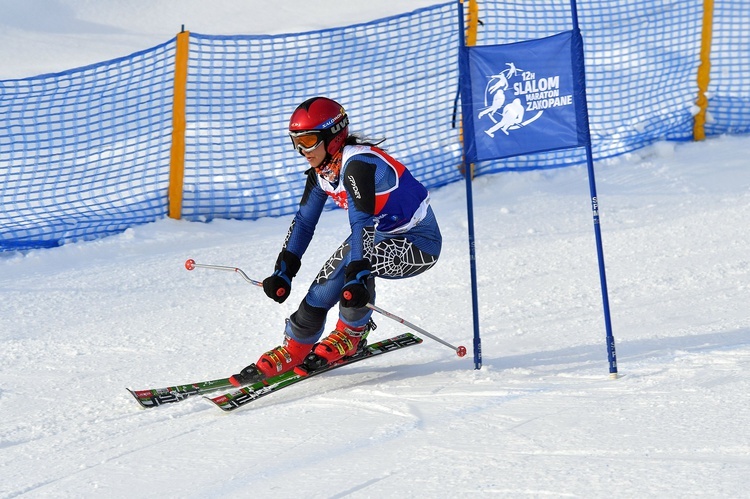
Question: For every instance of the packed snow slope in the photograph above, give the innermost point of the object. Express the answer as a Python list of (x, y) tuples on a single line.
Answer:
[(80, 323)]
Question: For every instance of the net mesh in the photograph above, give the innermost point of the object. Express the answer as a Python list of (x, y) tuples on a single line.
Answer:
[(86, 153), (728, 90)]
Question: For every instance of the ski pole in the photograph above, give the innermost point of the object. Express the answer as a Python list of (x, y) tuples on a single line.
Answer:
[(460, 350), (190, 265)]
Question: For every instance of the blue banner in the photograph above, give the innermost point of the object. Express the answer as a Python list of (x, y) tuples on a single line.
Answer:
[(524, 97)]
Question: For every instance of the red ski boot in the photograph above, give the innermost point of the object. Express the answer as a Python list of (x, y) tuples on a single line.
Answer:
[(274, 362), (343, 342), (284, 358)]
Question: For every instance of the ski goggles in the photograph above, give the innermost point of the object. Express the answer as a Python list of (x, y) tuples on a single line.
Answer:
[(306, 141)]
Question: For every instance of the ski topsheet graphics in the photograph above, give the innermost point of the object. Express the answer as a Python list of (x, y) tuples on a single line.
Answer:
[(154, 397)]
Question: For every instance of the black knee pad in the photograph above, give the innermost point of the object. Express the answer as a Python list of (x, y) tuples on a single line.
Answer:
[(308, 321)]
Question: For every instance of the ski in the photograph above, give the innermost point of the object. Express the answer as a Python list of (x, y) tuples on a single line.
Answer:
[(242, 396), (154, 397)]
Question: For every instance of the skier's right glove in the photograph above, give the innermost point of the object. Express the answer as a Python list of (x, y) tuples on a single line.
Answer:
[(278, 285)]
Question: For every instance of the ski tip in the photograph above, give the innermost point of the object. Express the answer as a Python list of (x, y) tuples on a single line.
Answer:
[(221, 401), (134, 393)]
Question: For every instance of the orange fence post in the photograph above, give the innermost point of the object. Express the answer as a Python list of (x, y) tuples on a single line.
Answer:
[(177, 152), (704, 71), (472, 24)]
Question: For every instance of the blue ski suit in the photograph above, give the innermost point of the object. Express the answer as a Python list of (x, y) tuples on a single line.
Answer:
[(392, 226)]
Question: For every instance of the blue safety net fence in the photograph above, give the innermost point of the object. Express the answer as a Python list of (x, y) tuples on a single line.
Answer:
[(729, 88), (641, 65), (239, 160), (86, 153)]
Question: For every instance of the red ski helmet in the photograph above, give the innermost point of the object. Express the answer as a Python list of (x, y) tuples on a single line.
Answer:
[(325, 117)]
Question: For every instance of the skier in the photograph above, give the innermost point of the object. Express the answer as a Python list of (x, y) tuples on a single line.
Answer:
[(394, 234)]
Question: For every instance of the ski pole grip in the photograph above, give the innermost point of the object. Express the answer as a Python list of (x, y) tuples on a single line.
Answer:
[(347, 295)]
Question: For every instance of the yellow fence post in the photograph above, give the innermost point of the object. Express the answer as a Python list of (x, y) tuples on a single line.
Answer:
[(472, 23), (704, 70), (177, 152)]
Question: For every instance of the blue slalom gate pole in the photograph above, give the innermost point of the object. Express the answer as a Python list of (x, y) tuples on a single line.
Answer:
[(578, 64), (470, 218), (473, 268)]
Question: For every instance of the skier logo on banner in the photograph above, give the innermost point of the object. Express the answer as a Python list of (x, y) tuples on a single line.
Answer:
[(511, 115), (516, 85), (538, 95)]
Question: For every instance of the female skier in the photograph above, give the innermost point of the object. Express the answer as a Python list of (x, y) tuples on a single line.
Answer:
[(394, 234)]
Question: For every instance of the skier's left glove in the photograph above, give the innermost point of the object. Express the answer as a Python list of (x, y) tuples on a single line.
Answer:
[(354, 294)]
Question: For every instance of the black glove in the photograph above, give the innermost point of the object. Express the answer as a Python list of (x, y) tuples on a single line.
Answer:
[(278, 284), (354, 294)]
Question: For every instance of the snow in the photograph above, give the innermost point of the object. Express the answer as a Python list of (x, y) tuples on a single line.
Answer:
[(541, 418)]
